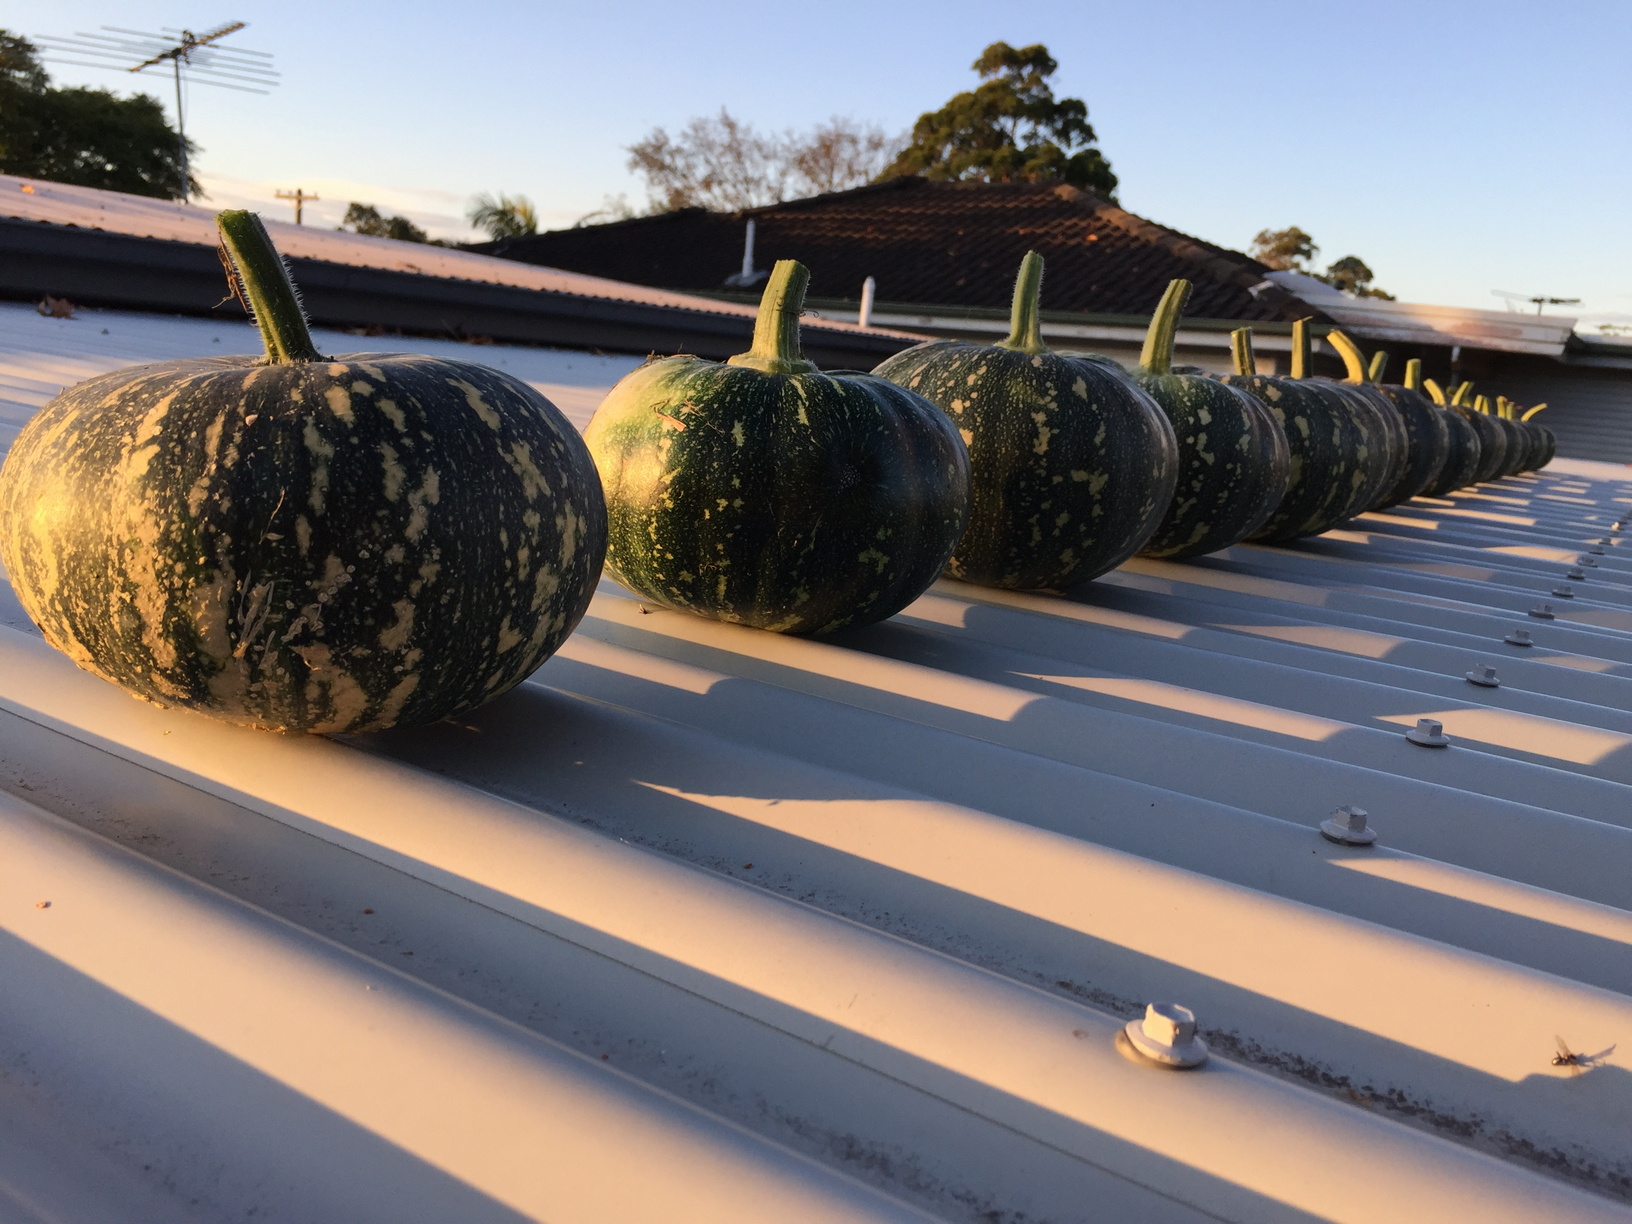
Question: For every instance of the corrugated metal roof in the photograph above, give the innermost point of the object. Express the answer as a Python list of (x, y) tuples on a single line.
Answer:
[(705, 923)]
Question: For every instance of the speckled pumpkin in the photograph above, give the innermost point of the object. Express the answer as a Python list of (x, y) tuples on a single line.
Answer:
[(1423, 441), (1328, 451), (1233, 458), (1072, 466), (303, 543), (763, 492)]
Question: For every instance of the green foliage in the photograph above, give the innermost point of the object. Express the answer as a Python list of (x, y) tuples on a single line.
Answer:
[(1011, 128), (1287, 250), (366, 219), (1292, 250), (86, 137), (504, 216)]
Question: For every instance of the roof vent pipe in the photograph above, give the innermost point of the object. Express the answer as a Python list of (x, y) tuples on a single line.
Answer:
[(865, 317), (748, 277)]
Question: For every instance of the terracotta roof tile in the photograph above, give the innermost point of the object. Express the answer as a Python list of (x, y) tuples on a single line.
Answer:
[(933, 244)]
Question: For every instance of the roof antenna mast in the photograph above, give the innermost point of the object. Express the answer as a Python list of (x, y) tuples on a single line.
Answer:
[(203, 59)]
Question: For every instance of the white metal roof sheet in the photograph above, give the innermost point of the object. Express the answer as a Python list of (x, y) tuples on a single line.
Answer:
[(706, 923)]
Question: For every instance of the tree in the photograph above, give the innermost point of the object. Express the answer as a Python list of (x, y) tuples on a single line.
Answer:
[(504, 216), (1291, 250), (86, 137), (366, 219), (1011, 128), (1287, 250), (724, 164)]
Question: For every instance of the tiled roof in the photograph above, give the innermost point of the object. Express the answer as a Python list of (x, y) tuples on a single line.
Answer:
[(930, 243)]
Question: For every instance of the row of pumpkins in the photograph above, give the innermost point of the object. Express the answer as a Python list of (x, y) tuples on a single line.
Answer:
[(347, 544)]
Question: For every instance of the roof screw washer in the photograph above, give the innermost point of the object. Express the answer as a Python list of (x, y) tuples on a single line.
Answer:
[(1519, 637), (1484, 676), (1347, 827), (1576, 574), (1167, 1036), (1594, 551), (1563, 592), (1542, 611), (1587, 561), (1429, 733)]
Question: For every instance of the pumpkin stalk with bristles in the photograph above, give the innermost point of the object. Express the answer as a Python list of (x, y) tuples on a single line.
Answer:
[(300, 542)]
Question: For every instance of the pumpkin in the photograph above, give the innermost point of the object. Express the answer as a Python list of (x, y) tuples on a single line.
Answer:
[(1325, 446), (1072, 466), (1426, 440), (302, 543), (1462, 440), (1377, 415), (1233, 461), (1518, 441), (763, 492), (1492, 441)]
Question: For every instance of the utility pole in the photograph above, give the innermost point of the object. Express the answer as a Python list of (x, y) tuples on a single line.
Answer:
[(299, 196)]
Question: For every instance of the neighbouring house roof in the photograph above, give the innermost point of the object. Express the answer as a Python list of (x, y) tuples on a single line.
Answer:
[(111, 249), (1505, 331), (933, 244)]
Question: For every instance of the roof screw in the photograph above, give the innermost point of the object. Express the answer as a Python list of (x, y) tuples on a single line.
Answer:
[(1484, 676), (1347, 827), (1594, 551), (1576, 574), (1563, 592), (1167, 1036), (1586, 561), (1429, 733), (1542, 611), (1519, 637)]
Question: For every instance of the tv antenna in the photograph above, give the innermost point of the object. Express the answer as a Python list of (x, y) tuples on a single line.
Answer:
[(1537, 300), (189, 56)]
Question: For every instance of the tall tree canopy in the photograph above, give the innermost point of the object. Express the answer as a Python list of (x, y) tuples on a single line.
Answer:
[(1292, 250), (366, 219), (504, 216), (87, 137), (1010, 128)]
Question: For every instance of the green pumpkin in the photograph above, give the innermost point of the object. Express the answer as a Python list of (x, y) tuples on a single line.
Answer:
[(1549, 447), (763, 492), (302, 543), (1425, 444), (1518, 442), (1328, 452), (1379, 422), (1072, 466), (1492, 438), (1233, 457), (1462, 439)]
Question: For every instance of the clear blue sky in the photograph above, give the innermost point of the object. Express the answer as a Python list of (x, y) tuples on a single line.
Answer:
[(1458, 147)]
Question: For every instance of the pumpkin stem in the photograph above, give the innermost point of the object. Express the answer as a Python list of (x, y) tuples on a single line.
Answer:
[(776, 330), (1462, 392), (1378, 366), (263, 285), (1435, 391), (1157, 357), (1350, 352), (1413, 374), (1025, 328), (1481, 403), (1532, 412), (1241, 351), (1300, 348)]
